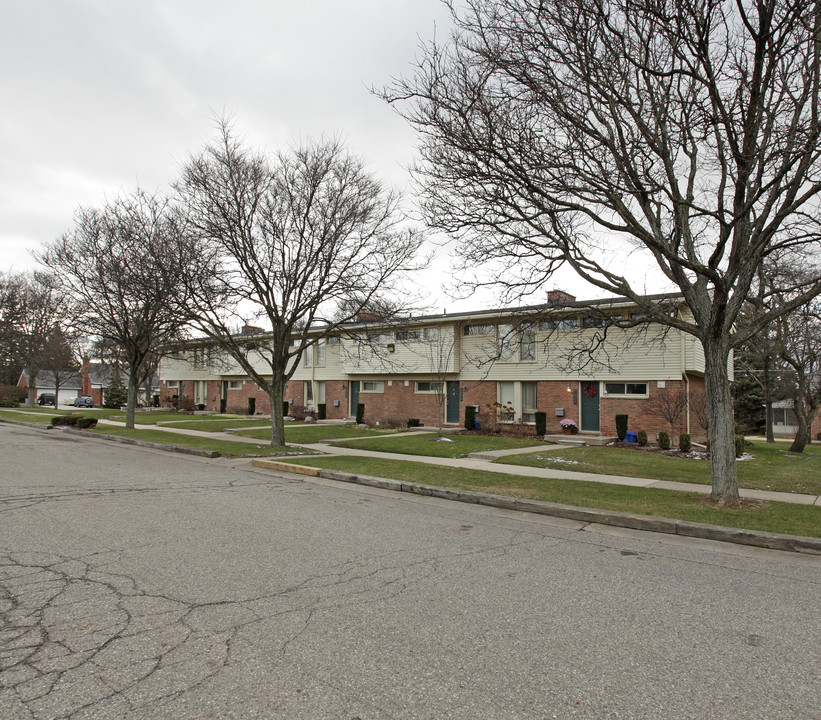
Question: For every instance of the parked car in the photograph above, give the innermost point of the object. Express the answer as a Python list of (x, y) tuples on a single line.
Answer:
[(46, 399), (83, 401)]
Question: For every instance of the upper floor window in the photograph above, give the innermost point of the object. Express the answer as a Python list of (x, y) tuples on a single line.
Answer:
[(314, 355), (407, 335), (431, 333), (565, 323), (527, 342), (478, 329), (507, 343)]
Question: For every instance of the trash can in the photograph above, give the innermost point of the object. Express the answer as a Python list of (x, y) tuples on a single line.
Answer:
[(477, 425), (631, 437)]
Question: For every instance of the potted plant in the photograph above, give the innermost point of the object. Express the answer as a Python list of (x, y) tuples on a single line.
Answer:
[(569, 426)]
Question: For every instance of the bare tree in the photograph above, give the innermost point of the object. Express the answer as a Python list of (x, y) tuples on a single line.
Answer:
[(669, 405), (799, 342), (121, 264), (32, 310), (59, 359), (683, 133), (293, 237)]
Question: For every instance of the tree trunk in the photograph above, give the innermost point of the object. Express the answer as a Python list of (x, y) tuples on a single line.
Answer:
[(768, 422), (803, 433), (275, 393), (722, 426), (32, 377), (131, 401)]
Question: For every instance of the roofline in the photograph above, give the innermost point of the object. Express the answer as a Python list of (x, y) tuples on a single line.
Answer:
[(459, 316)]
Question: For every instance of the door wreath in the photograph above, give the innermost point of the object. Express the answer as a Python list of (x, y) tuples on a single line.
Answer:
[(590, 390)]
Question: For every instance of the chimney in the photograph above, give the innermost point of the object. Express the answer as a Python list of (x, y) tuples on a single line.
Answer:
[(555, 297)]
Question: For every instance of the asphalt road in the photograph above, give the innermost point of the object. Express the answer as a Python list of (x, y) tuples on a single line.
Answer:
[(141, 584)]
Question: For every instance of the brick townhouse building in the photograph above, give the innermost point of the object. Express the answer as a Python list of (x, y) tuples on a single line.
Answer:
[(588, 361)]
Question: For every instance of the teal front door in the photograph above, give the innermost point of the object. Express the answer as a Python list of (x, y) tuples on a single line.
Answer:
[(452, 414), (354, 396), (590, 405)]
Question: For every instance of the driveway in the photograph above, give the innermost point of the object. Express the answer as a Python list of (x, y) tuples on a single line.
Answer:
[(141, 584)]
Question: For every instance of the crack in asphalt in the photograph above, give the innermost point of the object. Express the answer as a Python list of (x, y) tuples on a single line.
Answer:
[(75, 638)]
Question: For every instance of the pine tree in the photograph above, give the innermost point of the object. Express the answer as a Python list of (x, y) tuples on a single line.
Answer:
[(115, 393)]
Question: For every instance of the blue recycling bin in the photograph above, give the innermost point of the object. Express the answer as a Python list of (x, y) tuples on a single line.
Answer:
[(631, 437), (477, 425)]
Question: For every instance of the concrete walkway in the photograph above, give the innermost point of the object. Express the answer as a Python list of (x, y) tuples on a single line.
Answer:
[(484, 461)]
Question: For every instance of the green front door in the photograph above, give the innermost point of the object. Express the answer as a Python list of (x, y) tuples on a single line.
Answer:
[(590, 405), (452, 414), (354, 396)]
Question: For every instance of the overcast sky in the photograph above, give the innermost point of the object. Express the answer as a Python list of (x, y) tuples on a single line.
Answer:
[(101, 95)]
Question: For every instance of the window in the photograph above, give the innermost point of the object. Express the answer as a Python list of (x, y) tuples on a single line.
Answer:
[(507, 397), (308, 356), (507, 343), (784, 416), (625, 388), (596, 321), (431, 333), (527, 342), (373, 386), (202, 357), (407, 335), (173, 384), (423, 386), (235, 384), (478, 329), (566, 323), (529, 402), (380, 338), (334, 340), (319, 357)]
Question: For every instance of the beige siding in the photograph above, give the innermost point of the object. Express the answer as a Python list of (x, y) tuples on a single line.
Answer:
[(644, 355)]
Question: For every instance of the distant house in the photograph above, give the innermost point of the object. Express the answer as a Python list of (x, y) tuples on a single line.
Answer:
[(70, 385), (91, 379)]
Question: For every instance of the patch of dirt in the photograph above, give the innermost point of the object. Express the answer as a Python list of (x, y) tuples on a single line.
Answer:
[(741, 503)]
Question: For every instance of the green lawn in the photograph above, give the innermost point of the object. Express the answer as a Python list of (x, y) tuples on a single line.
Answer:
[(768, 517), (152, 417), (223, 447), (454, 445), (209, 424), (772, 466), (317, 433)]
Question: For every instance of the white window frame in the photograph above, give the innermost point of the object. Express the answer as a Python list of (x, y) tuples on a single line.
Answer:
[(431, 390), (479, 329), (626, 394), (235, 384), (408, 336), (431, 333), (172, 384), (570, 322), (379, 386), (527, 342)]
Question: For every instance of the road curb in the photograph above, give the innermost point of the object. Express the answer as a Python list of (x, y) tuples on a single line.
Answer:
[(146, 443), (685, 528)]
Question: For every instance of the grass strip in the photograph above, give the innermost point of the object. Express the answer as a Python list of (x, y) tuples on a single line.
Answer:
[(317, 433), (452, 446), (223, 447), (772, 467), (788, 518)]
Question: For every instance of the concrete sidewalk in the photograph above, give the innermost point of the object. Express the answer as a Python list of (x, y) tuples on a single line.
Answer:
[(484, 461), (480, 461)]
